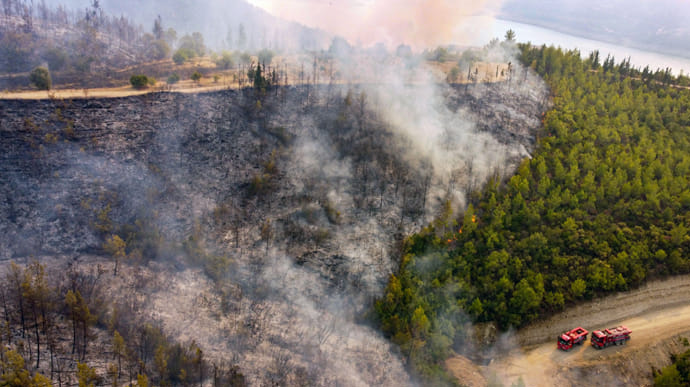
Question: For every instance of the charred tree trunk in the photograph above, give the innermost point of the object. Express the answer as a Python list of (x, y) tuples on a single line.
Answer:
[(7, 314), (84, 338), (38, 339)]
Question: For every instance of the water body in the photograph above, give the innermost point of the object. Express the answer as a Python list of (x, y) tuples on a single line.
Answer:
[(539, 36)]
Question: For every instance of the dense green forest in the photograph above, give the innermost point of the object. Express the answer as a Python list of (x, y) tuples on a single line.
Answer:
[(601, 207)]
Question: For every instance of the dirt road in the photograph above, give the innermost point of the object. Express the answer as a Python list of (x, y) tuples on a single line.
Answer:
[(543, 365), (112, 92), (486, 72), (655, 313)]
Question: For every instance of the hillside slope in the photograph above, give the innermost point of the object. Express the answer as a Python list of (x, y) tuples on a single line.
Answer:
[(228, 24), (600, 208), (259, 225)]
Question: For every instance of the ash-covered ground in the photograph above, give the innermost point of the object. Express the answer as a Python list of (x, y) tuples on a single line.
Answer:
[(260, 224)]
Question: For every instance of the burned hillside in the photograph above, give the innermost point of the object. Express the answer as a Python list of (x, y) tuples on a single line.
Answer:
[(275, 215)]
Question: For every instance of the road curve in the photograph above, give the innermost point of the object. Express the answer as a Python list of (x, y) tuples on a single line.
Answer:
[(654, 312), (543, 364)]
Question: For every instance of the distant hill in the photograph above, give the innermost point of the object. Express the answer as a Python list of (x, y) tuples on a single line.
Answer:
[(218, 21), (659, 26)]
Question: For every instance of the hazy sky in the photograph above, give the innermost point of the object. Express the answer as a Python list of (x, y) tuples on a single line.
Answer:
[(416, 22)]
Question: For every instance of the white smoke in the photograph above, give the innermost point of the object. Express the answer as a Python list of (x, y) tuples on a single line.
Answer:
[(421, 23)]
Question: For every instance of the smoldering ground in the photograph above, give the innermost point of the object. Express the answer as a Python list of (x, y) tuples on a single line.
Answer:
[(436, 151), (305, 196)]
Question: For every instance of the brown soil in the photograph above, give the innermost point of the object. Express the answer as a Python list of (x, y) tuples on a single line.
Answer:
[(467, 372), (115, 92), (601, 313)]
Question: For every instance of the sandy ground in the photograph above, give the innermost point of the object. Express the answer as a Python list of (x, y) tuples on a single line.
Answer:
[(655, 313), (113, 92), (544, 365), (611, 310), (467, 372)]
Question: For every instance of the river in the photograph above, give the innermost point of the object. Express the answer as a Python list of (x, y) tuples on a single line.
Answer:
[(538, 36)]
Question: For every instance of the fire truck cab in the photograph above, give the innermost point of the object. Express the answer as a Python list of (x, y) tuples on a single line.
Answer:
[(611, 336), (572, 337)]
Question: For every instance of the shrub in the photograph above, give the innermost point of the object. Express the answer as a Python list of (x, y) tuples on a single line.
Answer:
[(140, 81), (40, 77), (182, 55), (440, 54), (174, 78), (196, 76), (179, 57)]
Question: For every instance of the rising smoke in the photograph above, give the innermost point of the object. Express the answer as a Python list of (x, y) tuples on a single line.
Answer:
[(421, 23), (310, 257), (297, 301)]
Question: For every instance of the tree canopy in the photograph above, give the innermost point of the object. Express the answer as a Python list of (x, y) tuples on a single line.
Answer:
[(601, 207)]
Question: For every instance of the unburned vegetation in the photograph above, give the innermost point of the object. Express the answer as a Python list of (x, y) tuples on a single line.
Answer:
[(600, 207)]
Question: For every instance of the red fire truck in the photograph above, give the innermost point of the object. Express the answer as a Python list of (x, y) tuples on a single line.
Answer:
[(572, 337), (611, 336)]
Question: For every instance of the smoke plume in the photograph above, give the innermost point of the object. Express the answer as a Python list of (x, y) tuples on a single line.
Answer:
[(294, 201), (421, 23)]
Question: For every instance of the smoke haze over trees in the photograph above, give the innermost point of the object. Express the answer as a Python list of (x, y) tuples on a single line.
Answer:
[(226, 24), (335, 211), (274, 212), (600, 207), (80, 41), (421, 24)]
